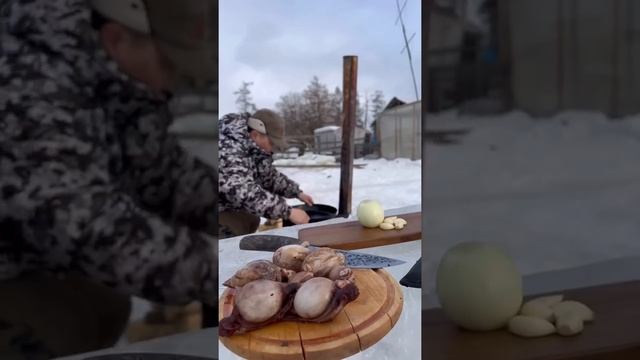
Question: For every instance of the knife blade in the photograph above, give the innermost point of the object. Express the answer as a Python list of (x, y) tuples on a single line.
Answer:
[(266, 242), (356, 260)]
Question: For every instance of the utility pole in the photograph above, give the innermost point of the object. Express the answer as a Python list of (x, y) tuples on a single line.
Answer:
[(349, 110), (406, 45)]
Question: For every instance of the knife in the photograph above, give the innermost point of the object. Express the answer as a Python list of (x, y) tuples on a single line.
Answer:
[(354, 259)]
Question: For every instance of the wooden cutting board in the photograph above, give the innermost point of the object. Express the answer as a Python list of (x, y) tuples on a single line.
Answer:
[(351, 235), (613, 335), (358, 326)]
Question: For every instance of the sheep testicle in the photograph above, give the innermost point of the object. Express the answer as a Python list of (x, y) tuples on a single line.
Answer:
[(290, 257), (255, 270), (342, 292), (259, 300), (300, 277), (321, 261), (313, 297), (252, 311)]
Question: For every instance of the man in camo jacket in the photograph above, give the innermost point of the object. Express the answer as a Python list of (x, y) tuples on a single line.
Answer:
[(249, 185), (94, 191)]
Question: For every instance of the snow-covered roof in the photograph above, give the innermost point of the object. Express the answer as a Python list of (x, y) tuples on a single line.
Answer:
[(326, 128)]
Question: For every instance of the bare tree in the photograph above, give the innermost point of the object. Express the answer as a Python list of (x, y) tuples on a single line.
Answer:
[(315, 107), (317, 101), (359, 112), (366, 110), (377, 106), (243, 99), (335, 107), (291, 108)]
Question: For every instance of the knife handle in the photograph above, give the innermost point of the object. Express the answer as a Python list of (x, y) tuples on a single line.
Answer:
[(266, 242)]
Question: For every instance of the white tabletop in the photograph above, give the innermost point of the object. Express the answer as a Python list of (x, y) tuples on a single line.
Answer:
[(402, 342), (200, 343)]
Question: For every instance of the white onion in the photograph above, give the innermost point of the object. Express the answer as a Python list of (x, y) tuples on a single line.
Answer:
[(370, 213), (479, 286)]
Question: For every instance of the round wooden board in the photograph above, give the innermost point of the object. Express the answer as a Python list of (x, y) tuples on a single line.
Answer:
[(359, 325)]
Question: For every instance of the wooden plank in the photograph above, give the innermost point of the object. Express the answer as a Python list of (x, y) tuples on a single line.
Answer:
[(277, 341), (613, 334), (351, 235), (369, 315), (395, 308), (332, 340)]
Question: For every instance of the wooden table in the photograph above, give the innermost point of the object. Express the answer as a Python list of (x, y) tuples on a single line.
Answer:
[(608, 288)]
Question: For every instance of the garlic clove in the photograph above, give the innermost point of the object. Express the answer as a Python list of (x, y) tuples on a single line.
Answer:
[(566, 307), (548, 300), (386, 226), (527, 326), (537, 309), (570, 323)]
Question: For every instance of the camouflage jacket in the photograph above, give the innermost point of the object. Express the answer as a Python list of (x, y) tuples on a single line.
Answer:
[(91, 181), (248, 181)]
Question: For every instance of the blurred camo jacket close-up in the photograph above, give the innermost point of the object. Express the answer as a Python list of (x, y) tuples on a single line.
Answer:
[(91, 179)]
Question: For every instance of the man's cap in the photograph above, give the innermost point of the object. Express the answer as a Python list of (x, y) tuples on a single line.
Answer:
[(185, 30), (268, 122)]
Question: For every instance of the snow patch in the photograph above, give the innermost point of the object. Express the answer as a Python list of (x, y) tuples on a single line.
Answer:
[(326, 128), (306, 160), (395, 183), (555, 192)]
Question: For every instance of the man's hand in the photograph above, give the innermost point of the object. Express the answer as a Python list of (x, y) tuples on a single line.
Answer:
[(306, 199), (298, 216)]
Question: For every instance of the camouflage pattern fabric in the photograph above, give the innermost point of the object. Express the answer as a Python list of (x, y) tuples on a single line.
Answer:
[(19, 342), (90, 179), (43, 316), (248, 181)]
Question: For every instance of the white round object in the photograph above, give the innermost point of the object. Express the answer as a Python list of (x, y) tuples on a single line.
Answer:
[(479, 286), (313, 297), (370, 213), (259, 300)]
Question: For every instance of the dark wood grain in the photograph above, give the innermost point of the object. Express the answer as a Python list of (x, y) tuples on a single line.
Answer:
[(351, 235), (613, 335), (349, 106)]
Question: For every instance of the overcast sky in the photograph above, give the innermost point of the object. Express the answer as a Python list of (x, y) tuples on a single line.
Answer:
[(280, 45)]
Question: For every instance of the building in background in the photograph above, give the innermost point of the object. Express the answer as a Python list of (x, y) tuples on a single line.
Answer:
[(541, 57), (574, 55), (399, 129), (328, 140), (456, 66)]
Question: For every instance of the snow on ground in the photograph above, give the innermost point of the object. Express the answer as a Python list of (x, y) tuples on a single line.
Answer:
[(556, 192), (307, 159), (395, 183)]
